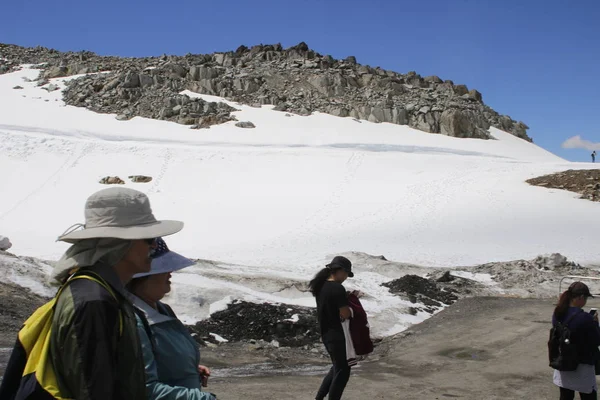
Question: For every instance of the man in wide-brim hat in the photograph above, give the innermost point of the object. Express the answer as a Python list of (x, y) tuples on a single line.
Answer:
[(94, 345)]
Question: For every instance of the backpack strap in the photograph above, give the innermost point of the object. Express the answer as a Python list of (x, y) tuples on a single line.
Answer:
[(566, 323), (92, 276)]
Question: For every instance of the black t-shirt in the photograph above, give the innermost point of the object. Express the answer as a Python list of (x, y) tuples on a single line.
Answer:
[(330, 300)]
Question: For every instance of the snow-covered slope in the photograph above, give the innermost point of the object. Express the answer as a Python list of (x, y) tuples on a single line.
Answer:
[(286, 196)]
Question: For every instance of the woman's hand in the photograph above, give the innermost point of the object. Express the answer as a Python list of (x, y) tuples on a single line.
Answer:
[(204, 373)]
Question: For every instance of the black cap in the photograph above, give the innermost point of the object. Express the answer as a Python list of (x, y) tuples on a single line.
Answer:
[(580, 289), (340, 262)]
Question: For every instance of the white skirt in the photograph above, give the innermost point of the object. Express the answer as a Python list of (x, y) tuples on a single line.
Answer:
[(582, 380)]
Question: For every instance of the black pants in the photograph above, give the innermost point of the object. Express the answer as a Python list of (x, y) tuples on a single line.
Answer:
[(566, 394), (337, 378)]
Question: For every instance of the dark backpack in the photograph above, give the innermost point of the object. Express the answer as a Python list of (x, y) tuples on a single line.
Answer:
[(562, 352)]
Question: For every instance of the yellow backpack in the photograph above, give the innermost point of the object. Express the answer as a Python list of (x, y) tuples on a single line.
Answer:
[(34, 338)]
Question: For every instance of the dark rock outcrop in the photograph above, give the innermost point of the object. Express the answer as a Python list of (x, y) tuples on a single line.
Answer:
[(291, 326)]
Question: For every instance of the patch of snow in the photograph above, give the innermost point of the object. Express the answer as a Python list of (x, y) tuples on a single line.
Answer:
[(274, 205), (477, 277), (218, 338), (295, 318), (220, 305)]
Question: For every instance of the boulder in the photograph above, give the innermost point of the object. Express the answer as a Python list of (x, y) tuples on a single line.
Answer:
[(322, 83), (5, 243), (350, 60), (460, 90), (245, 124), (475, 95), (202, 72), (130, 80), (140, 178), (51, 87), (455, 123), (112, 180), (433, 79), (176, 70), (462, 124), (56, 72), (145, 80)]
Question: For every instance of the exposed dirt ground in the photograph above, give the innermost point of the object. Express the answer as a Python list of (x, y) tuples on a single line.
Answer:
[(479, 348)]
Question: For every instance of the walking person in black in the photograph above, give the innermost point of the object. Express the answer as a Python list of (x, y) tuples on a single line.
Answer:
[(585, 334), (332, 309)]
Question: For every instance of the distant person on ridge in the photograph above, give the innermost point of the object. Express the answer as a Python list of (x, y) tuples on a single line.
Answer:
[(94, 348), (171, 354), (594, 156), (585, 335), (332, 309)]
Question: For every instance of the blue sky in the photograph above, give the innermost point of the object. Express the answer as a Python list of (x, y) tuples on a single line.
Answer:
[(536, 61)]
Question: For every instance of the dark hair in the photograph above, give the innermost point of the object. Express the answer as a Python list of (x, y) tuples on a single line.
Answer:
[(135, 283), (575, 290), (316, 284)]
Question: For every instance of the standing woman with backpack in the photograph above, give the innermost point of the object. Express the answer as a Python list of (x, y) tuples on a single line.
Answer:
[(585, 335), (332, 309)]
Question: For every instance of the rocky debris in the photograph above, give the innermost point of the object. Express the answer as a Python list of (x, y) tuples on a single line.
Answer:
[(140, 178), (245, 124), (112, 180), (536, 277), (290, 326), (295, 80), (461, 287), (8, 65), (18, 87), (586, 182), (5, 243), (422, 290)]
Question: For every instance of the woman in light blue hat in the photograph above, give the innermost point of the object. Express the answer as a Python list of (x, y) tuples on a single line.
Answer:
[(171, 355)]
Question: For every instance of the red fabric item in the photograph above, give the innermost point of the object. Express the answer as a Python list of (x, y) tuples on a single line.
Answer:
[(359, 327)]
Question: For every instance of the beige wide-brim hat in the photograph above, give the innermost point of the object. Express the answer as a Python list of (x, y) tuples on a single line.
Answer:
[(120, 213)]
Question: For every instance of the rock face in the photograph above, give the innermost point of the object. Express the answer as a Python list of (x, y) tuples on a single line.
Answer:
[(585, 182), (130, 94), (296, 80)]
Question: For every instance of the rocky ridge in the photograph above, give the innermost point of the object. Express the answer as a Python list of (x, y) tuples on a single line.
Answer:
[(295, 79)]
